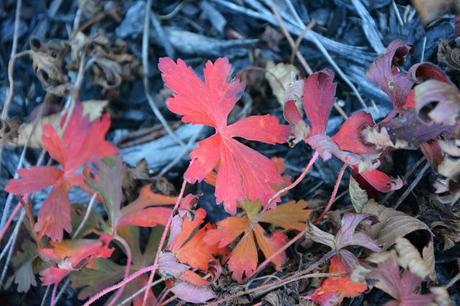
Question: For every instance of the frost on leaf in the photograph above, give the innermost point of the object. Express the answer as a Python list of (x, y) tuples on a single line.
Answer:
[(242, 173), (82, 142), (244, 259)]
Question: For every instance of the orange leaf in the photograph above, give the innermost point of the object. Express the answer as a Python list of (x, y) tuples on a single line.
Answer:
[(244, 259), (334, 289)]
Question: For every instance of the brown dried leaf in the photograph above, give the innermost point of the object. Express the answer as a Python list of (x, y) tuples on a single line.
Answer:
[(280, 77), (410, 259), (429, 10), (358, 195), (392, 224), (91, 108), (47, 62), (449, 54)]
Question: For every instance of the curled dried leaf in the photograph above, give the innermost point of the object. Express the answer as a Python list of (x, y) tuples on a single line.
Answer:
[(437, 102), (392, 224), (409, 258), (358, 195), (47, 62)]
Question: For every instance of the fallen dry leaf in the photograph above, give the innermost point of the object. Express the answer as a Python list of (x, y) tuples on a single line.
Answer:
[(392, 224)]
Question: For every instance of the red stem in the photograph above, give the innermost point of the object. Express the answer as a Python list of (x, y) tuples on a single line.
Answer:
[(297, 181), (334, 194), (127, 268), (162, 242), (10, 220)]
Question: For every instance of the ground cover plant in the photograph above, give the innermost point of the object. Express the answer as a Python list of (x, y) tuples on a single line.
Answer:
[(259, 183)]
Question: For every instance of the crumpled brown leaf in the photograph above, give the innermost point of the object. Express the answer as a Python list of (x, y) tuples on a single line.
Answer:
[(429, 10), (47, 62), (410, 258), (91, 108), (358, 195), (449, 53), (280, 76), (392, 224)]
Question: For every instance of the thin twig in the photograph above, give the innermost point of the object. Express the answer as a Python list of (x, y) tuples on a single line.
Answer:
[(314, 38), (162, 241), (145, 65), (295, 277), (412, 185), (398, 15)]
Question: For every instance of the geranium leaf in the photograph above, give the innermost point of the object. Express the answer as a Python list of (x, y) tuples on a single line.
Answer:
[(250, 174)]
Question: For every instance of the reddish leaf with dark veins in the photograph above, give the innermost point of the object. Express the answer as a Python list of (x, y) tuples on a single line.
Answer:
[(407, 127)]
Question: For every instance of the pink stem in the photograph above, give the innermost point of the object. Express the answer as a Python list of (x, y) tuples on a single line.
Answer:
[(334, 194), (127, 268), (10, 220), (297, 181), (125, 281), (53, 295), (162, 242)]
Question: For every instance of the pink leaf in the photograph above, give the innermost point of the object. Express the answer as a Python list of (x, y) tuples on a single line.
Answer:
[(192, 293)]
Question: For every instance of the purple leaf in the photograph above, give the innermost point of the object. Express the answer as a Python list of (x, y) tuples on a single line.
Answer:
[(191, 293)]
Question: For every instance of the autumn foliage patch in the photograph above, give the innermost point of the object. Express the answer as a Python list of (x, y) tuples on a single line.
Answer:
[(186, 255)]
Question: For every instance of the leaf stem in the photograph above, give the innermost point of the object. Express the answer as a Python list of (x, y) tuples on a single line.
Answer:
[(127, 268), (162, 242), (296, 182), (334, 193)]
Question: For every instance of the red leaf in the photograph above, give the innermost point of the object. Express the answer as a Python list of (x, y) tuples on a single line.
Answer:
[(81, 143), (348, 138), (242, 173), (298, 127), (334, 289), (54, 216), (34, 179), (70, 255), (147, 217), (318, 99), (428, 71), (385, 73), (380, 181)]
